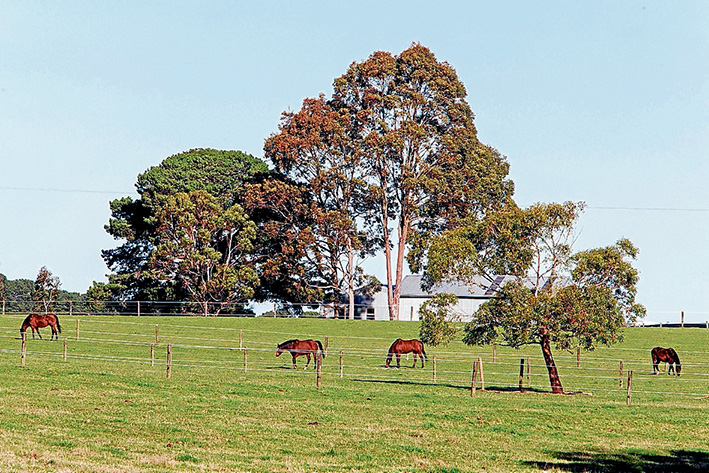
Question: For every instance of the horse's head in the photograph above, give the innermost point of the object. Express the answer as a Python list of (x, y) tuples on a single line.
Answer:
[(279, 350), (678, 368)]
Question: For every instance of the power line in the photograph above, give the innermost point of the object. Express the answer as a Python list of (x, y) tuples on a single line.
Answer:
[(68, 191)]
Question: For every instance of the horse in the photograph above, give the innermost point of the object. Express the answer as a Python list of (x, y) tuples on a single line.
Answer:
[(406, 346), (669, 356), (36, 321), (301, 347)]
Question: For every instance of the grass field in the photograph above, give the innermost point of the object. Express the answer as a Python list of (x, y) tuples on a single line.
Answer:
[(107, 408)]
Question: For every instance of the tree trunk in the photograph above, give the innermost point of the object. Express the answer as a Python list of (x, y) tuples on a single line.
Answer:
[(393, 315), (350, 278), (554, 380)]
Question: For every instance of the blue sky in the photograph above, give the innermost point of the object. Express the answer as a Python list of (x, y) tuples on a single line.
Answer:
[(602, 102)]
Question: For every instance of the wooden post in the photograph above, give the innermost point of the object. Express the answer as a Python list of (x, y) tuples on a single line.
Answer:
[(620, 375), (472, 378), (529, 370), (434, 369), (521, 373), (578, 357), (682, 319), (152, 354), (411, 317), (138, 308), (169, 360), (64, 352), (77, 329), (3, 307), (241, 338), (706, 322), (71, 308), (318, 369), (482, 374), (246, 361), (325, 345), (494, 352), (342, 366), (157, 335), (630, 381), (206, 309), (23, 349)]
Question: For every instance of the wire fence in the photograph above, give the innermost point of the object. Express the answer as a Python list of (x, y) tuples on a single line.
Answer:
[(357, 358)]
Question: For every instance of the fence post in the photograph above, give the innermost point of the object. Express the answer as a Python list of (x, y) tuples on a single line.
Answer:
[(472, 378), (23, 349), (578, 357), (630, 381), (138, 308), (342, 366), (482, 374), (77, 329), (318, 369), (434, 369), (3, 307), (241, 338), (152, 354), (521, 373), (620, 376), (71, 308), (246, 361), (494, 352), (64, 352), (169, 360), (157, 335), (325, 345), (682, 319), (206, 309), (529, 370)]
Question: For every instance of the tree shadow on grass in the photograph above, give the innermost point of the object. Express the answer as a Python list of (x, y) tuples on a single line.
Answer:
[(677, 461), (448, 385)]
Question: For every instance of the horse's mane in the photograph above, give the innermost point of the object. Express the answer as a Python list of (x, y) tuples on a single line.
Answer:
[(674, 355), (287, 342)]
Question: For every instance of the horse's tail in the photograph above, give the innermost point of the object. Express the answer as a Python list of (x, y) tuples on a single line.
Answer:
[(324, 354), (59, 327), (423, 352)]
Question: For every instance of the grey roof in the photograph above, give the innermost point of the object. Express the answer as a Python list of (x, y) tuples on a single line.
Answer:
[(480, 287)]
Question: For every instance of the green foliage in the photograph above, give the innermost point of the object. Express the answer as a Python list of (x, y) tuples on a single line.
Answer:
[(204, 248), (221, 174), (437, 326), (558, 298)]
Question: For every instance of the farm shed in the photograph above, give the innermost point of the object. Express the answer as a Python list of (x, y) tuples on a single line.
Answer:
[(413, 296)]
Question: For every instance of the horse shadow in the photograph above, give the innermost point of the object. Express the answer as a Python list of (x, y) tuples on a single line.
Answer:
[(677, 461)]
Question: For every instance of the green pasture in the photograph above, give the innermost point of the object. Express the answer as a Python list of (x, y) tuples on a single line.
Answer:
[(104, 406)]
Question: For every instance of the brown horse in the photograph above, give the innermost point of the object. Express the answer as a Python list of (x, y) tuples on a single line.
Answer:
[(300, 347), (669, 356), (406, 346), (36, 321)]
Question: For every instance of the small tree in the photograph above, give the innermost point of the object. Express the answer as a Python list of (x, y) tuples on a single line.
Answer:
[(45, 290), (557, 298), (438, 320)]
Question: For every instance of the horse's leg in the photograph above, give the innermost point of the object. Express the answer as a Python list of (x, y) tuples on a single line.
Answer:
[(294, 355), (38, 334), (398, 359), (421, 357), (307, 355), (414, 360)]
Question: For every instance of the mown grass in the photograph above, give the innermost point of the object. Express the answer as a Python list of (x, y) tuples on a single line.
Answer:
[(107, 409)]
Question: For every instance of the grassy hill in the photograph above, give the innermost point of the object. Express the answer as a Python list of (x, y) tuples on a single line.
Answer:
[(107, 407)]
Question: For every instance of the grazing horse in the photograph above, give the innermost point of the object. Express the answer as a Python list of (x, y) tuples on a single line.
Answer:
[(301, 347), (406, 346), (669, 356), (35, 322)]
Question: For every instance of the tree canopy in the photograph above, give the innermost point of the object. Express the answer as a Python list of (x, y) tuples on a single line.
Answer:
[(220, 174), (557, 297)]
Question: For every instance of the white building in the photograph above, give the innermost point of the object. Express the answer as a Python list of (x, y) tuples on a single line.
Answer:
[(413, 296)]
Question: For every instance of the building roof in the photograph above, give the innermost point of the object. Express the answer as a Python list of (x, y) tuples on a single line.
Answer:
[(480, 289)]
